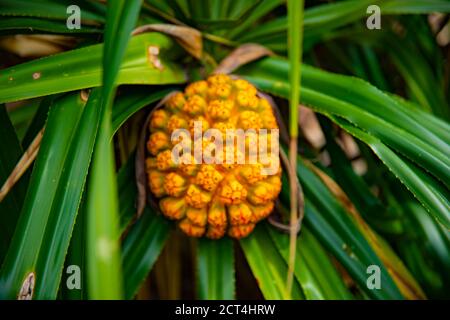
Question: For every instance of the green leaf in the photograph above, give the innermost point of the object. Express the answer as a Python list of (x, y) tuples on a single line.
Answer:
[(126, 183), (418, 74), (317, 20), (43, 9), (141, 248), (268, 266), (215, 272), (260, 11), (237, 13), (321, 20), (145, 239), (10, 206), (38, 121), (397, 271), (76, 256), (22, 116), (431, 156), (272, 27), (341, 250), (415, 6), (371, 207), (350, 90), (67, 200), (314, 271), (425, 248), (35, 25), (103, 250), (427, 190), (383, 118), (132, 101), (437, 126), (324, 212), (81, 68), (336, 14), (28, 240)]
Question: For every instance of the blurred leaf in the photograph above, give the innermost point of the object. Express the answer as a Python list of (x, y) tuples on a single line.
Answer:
[(132, 101), (43, 9), (39, 119), (10, 207), (418, 75), (144, 239), (260, 11), (127, 193), (141, 247), (415, 6), (425, 248), (272, 27), (237, 13), (22, 115), (24, 25), (215, 260), (321, 19), (318, 20)]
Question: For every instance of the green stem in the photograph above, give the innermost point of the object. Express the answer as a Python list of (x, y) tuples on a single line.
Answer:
[(220, 40), (295, 41)]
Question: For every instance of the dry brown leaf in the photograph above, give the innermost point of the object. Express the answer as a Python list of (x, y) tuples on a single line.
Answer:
[(21, 167), (189, 38), (27, 290), (440, 27), (310, 127), (141, 175), (34, 46), (242, 55)]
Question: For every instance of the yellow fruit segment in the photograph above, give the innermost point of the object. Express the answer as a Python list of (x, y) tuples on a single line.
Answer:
[(213, 199)]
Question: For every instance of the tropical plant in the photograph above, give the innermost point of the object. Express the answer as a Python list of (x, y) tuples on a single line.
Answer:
[(370, 176)]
